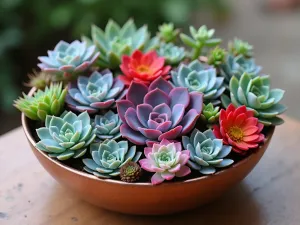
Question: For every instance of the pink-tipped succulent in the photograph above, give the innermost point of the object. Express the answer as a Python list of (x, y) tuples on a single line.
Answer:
[(158, 112), (166, 160)]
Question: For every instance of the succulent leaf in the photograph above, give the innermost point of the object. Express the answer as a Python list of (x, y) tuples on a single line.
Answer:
[(167, 32)]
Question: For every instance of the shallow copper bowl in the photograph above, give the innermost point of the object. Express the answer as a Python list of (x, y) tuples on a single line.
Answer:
[(144, 198)]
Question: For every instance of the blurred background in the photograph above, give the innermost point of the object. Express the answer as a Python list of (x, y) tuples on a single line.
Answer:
[(29, 28)]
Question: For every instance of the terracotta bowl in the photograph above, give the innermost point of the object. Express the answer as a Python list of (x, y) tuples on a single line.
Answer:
[(144, 198)]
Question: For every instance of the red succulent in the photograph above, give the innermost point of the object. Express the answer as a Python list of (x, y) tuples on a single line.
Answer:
[(239, 128), (143, 68)]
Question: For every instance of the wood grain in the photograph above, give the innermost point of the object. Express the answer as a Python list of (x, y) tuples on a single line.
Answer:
[(268, 196)]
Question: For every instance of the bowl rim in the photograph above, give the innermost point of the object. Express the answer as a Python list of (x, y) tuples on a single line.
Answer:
[(27, 132)]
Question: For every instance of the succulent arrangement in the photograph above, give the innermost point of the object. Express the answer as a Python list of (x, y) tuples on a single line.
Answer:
[(125, 105)]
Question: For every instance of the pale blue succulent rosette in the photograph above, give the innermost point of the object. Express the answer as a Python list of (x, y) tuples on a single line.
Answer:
[(95, 93), (206, 152), (66, 136), (107, 126), (236, 66), (108, 157), (68, 59), (197, 77)]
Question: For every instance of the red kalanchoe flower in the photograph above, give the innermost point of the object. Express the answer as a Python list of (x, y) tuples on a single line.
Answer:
[(143, 68), (239, 128)]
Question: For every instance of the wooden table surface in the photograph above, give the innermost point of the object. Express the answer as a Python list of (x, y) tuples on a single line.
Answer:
[(270, 195)]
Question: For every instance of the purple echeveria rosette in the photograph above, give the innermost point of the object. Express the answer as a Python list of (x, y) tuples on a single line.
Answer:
[(158, 112), (91, 94)]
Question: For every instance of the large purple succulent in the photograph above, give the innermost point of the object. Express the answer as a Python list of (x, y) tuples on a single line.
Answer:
[(158, 112), (99, 91)]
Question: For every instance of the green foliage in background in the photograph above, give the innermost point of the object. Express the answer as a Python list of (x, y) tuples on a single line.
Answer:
[(29, 28)]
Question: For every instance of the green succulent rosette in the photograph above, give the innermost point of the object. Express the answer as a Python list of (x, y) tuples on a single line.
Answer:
[(240, 47), (167, 32), (66, 136), (200, 40), (43, 102), (206, 151), (108, 157), (256, 94), (210, 114), (216, 57), (172, 53), (115, 41)]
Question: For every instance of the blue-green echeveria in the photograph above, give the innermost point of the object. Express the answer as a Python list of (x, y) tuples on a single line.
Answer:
[(256, 94), (66, 136), (206, 151), (108, 126), (108, 157), (115, 41), (200, 78), (237, 65), (67, 60), (172, 53), (91, 94)]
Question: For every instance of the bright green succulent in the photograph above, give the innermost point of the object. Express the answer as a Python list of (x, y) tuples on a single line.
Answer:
[(47, 102), (210, 114), (108, 157), (217, 56), (206, 151), (172, 53), (200, 39), (256, 94), (200, 78), (66, 136), (116, 41), (167, 32), (239, 47)]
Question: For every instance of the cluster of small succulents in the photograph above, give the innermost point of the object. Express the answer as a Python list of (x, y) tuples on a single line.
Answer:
[(124, 104)]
